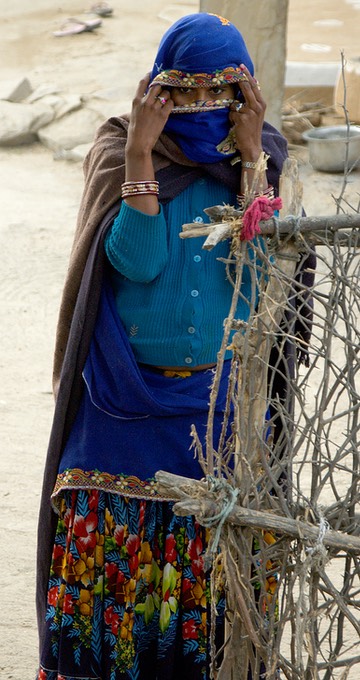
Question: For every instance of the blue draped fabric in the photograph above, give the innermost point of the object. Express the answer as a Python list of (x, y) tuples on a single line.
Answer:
[(198, 134), (133, 420), (201, 43)]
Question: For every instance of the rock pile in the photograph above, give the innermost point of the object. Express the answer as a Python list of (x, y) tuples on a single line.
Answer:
[(64, 123)]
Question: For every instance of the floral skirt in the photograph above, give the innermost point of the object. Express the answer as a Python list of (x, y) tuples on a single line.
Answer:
[(128, 598)]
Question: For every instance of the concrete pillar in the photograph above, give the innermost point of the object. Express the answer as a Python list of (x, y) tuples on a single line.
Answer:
[(263, 23)]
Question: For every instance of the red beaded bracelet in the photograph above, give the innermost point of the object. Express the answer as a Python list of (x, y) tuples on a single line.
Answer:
[(139, 188)]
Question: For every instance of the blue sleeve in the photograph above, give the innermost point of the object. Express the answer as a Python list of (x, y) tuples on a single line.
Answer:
[(137, 244)]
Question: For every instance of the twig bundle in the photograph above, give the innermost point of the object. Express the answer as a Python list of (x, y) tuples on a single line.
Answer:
[(281, 493)]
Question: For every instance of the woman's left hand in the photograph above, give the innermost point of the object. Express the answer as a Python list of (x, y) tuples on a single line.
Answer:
[(248, 118)]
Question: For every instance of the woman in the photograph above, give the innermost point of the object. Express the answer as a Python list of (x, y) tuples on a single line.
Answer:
[(139, 330)]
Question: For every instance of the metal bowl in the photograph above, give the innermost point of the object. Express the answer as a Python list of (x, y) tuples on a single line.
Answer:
[(327, 147)]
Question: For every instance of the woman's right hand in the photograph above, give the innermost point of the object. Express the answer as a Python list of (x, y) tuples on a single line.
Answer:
[(147, 121), (148, 118)]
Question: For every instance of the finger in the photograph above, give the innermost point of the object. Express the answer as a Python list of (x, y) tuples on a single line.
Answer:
[(168, 106), (235, 117), (143, 86), (248, 93), (251, 86), (163, 97), (251, 79), (165, 105), (237, 106), (154, 91), (257, 84)]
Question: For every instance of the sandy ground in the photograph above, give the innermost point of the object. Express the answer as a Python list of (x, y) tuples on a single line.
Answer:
[(39, 199)]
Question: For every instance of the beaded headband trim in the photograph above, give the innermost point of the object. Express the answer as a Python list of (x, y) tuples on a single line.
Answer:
[(175, 78), (207, 105)]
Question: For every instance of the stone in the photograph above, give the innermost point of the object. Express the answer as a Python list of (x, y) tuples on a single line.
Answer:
[(15, 90), (42, 91), (76, 155), (69, 131), (106, 108), (62, 104), (19, 123), (110, 94)]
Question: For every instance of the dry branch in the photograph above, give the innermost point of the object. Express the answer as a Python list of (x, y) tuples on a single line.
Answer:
[(196, 499), (316, 229), (273, 534)]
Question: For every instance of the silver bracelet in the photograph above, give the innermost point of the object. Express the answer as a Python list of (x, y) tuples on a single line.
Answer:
[(249, 164)]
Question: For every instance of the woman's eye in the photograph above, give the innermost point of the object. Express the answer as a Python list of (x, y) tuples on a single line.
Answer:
[(217, 90), (185, 90)]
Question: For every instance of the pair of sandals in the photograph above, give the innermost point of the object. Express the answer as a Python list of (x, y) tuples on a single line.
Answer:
[(73, 25)]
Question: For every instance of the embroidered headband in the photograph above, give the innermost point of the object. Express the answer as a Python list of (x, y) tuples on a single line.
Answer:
[(175, 78)]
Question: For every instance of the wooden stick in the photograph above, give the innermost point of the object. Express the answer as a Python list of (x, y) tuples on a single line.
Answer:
[(316, 229), (195, 499), (254, 346)]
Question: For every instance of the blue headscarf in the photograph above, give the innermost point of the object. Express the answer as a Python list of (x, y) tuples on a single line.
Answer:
[(201, 50)]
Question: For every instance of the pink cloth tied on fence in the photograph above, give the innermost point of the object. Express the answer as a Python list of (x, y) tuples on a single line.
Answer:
[(262, 208)]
